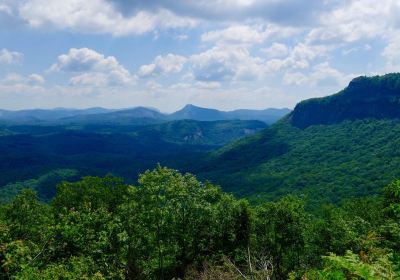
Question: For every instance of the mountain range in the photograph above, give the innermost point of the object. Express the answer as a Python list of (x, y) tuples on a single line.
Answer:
[(134, 116), (327, 149)]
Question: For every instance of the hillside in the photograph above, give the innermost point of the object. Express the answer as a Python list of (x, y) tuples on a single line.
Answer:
[(100, 149), (316, 152)]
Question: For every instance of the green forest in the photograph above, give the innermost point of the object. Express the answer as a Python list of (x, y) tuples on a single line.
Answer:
[(315, 195), (172, 226), (323, 162)]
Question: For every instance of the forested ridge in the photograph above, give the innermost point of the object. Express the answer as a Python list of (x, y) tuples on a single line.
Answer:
[(171, 226), (314, 196), (328, 149)]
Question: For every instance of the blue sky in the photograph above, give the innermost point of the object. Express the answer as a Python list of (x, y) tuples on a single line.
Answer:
[(224, 54)]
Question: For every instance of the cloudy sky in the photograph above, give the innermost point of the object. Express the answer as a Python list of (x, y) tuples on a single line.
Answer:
[(224, 54)]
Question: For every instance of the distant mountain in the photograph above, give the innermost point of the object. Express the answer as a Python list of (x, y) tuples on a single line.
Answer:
[(43, 115), (375, 97), (133, 116), (328, 149), (204, 114), (191, 112)]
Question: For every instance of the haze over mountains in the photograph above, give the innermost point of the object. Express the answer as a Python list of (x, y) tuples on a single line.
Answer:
[(137, 115)]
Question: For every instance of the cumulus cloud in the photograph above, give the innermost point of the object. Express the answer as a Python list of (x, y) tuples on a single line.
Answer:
[(358, 19), (267, 42), (12, 78), (92, 68), (276, 50), (321, 75), (294, 78), (391, 54), (221, 64), (121, 17), (10, 57), (97, 16), (5, 9), (248, 34), (168, 64), (36, 79), (15, 81), (285, 11), (300, 56), (208, 85)]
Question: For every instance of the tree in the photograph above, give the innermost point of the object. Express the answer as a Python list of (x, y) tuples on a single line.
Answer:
[(279, 233)]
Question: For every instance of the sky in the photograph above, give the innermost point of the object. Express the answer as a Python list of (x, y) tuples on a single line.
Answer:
[(224, 54)]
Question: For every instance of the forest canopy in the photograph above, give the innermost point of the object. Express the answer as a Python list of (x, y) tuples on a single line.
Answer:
[(170, 225)]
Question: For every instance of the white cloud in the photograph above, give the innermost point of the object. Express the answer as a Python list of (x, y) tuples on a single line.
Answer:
[(208, 85), (357, 20), (97, 16), (36, 79), (15, 86), (10, 57), (226, 64), (286, 11), (236, 34), (322, 75), (90, 79), (300, 56), (391, 53), (267, 42), (5, 9), (168, 64), (93, 68), (294, 78), (247, 34), (182, 37), (12, 78), (15, 78), (276, 50)]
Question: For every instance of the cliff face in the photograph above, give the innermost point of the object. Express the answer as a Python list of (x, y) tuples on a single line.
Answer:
[(365, 98)]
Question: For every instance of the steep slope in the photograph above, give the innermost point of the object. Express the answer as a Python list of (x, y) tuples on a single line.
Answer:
[(376, 97), (316, 152)]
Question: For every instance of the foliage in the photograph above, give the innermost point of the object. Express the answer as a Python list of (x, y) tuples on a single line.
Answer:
[(44, 185), (327, 164), (351, 266), (171, 226)]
